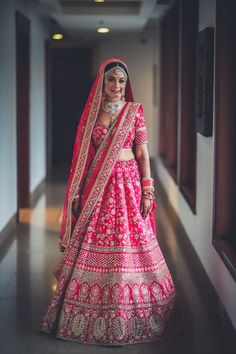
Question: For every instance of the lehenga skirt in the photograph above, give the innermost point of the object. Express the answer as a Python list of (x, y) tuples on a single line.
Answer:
[(120, 290)]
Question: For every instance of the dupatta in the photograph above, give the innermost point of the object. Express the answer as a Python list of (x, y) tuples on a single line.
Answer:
[(89, 171)]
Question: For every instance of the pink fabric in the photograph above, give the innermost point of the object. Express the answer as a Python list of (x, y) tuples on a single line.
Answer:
[(114, 286), (83, 152), (120, 290), (99, 133), (137, 134)]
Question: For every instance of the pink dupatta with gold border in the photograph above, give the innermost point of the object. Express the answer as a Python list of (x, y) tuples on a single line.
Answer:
[(89, 171)]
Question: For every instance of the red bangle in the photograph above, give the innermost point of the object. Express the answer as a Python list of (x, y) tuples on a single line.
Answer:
[(147, 182), (148, 193), (149, 198)]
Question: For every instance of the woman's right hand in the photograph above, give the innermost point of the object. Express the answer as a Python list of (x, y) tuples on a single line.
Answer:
[(61, 248)]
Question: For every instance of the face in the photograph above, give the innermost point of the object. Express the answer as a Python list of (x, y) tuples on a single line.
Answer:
[(114, 85)]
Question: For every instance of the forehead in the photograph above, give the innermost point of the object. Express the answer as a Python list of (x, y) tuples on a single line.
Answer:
[(116, 72)]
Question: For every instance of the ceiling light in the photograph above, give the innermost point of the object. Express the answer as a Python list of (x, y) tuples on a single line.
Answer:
[(99, 0), (57, 36), (102, 28)]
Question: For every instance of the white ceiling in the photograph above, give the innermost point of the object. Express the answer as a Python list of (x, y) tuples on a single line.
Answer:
[(81, 18)]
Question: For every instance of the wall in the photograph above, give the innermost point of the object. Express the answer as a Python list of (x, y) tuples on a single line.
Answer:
[(137, 50), (8, 173), (37, 105), (7, 114), (199, 226)]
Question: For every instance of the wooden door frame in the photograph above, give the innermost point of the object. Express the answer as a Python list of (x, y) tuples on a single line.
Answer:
[(224, 225), (22, 27), (48, 100)]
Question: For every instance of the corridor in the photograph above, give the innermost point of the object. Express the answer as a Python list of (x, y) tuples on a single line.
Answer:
[(179, 68), (26, 265)]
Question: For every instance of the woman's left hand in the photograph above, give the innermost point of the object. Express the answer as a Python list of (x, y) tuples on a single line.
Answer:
[(146, 207)]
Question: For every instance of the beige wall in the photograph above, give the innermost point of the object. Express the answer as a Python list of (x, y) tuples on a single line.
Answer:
[(8, 173), (137, 50), (199, 226)]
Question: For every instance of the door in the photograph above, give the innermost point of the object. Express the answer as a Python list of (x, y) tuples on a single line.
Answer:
[(22, 96)]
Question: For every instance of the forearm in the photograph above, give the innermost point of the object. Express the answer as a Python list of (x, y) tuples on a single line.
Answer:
[(147, 184), (142, 157), (144, 166)]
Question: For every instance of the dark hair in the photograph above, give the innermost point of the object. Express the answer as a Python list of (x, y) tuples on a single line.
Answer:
[(113, 65)]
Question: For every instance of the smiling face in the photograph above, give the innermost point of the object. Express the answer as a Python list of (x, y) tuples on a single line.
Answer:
[(114, 85)]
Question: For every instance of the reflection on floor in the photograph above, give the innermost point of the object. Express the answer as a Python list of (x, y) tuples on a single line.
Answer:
[(26, 279)]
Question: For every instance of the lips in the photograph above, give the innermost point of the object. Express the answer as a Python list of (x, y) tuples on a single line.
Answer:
[(116, 91)]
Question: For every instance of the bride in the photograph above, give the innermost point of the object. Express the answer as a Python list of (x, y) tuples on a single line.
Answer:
[(114, 286)]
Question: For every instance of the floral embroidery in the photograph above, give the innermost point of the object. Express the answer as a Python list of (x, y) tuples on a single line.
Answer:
[(120, 290), (137, 133), (99, 133)]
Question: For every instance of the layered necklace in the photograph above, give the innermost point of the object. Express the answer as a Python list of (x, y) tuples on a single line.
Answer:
[(112, 108)]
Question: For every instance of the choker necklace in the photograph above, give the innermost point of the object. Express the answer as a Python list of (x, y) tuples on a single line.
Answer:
[(112, 108)]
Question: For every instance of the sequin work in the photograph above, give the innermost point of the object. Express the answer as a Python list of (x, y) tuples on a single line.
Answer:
[(137, 134), (120, 290)]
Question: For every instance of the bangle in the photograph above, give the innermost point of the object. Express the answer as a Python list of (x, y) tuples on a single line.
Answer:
[(147, 197), (149, 188), (147, 182), (148, 193)]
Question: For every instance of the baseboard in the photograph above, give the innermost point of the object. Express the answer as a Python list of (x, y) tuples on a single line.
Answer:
[(211, 301), (8, 230), (38, 191), (10, 227)]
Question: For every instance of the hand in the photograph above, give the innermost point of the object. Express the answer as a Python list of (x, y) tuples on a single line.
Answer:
[(146, 206), (61, 248)]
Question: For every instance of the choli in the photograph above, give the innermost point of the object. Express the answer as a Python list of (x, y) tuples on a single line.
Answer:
[(137, 134)]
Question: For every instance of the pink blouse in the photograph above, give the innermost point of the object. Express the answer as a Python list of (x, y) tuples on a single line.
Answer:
[(136, 136)]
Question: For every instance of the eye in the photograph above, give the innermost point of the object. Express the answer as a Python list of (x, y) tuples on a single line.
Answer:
[(122, 81), (110, 78)]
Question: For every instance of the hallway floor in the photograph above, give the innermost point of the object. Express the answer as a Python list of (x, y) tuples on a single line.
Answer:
[(26, 264)]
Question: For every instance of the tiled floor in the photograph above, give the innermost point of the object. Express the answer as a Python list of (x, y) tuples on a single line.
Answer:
[(27, 282)]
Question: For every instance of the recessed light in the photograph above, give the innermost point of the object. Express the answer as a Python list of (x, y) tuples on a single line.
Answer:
[(57, 36), (102, 28)]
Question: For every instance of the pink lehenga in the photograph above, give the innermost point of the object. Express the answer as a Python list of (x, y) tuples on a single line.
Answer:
[(114, 286)]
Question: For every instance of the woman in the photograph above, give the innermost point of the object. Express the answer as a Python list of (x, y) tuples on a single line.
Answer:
[(113, 283)]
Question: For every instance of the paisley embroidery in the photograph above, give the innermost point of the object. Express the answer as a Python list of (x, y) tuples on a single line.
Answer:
[(156, 324), (100, 327), (121, 290), (78, 325), (136, 327), (119, 328)]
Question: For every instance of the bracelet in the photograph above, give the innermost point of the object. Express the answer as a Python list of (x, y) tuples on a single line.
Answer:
[(148, 193), (148, 187), (148, 190), (147, 182), (149, 198)]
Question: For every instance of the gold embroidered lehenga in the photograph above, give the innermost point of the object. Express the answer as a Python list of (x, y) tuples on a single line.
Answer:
[(114, 286)]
